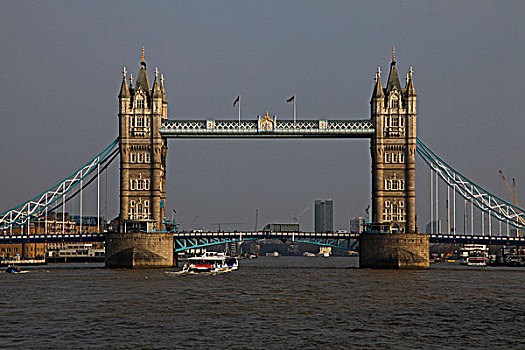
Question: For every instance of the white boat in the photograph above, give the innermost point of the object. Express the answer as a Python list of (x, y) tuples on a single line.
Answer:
[(211, 262), (474, 254)]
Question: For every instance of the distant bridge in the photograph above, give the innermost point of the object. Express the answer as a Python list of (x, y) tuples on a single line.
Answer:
[(191, 240)]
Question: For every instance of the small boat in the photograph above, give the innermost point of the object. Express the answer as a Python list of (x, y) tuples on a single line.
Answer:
[(13, 269), (211, 262)]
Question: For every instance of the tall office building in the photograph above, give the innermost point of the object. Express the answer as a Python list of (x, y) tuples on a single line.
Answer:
[(324, 216)]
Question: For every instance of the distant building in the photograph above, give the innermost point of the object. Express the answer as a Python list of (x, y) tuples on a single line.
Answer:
[(356, 225), (324, 215), (431, 227)]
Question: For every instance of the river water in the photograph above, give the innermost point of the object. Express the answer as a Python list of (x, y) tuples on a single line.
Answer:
[(270, 303)]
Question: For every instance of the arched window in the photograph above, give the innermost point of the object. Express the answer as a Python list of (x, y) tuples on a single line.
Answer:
[(394, 184)]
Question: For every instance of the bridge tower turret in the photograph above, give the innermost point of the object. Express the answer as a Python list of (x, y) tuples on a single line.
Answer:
[(142, 153)]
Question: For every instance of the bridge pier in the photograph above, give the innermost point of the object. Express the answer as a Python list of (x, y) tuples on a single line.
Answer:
[(139, 250), (394, 250)]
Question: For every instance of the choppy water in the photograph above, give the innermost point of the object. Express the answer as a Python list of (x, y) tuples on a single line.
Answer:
[(270, 303)]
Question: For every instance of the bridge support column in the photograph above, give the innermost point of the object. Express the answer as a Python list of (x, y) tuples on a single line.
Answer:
[(139, 250), (394, 251)]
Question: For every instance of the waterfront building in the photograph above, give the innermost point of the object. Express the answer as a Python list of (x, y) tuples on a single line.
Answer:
[(324, 215)]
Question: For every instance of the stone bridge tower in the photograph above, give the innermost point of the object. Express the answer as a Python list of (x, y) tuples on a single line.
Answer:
[(394, 242), (142, 152), (393, 148), (138, 242)]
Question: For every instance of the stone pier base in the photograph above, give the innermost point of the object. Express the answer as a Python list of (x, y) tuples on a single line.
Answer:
[(394, 251), (139, 250)]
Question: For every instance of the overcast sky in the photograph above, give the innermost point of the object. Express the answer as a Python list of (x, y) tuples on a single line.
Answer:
[(61, 65)]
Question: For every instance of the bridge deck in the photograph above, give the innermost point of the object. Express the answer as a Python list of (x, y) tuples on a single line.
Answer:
[(95, 237)]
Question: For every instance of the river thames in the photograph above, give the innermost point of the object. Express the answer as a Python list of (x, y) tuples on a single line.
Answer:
[(270, 303)]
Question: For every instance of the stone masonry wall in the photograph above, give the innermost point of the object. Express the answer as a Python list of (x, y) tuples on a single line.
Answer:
[(139, 250), (394, 251)]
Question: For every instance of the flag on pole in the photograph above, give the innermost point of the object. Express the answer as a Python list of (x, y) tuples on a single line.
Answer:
[(236, 100), (291, 99)]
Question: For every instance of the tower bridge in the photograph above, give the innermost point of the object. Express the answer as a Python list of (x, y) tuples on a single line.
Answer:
[(141, 240), (144, 130)]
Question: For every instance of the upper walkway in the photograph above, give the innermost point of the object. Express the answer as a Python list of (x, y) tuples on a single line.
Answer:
[(267, 127)]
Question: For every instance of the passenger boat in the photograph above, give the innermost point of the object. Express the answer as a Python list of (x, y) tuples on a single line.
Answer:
[(474, 254), (211, 262)]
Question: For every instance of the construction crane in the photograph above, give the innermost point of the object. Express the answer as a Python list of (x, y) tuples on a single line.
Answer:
[(512, 192), (194, 219), (218, 224), (297, 216)]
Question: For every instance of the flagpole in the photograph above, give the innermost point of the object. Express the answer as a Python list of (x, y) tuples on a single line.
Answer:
[(294, 109), (239, 111)]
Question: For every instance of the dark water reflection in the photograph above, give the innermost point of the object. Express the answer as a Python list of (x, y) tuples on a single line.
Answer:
[(270, 303)]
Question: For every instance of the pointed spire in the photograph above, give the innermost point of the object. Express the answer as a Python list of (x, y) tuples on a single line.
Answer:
[(164, 99), (411, 91), (393, 53), (124, 90), (378, 88), (155, 91), (142, 78), (393, 79)]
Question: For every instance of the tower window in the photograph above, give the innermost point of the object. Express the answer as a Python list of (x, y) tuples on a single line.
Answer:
[(394, 158), (394, 104), (401, 157), (132, 157), (387, 157), (140, 103), (146, 157), (394, 185), (140, 157)]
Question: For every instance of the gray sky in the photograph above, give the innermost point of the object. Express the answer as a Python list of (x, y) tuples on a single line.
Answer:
[(62, 63)]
